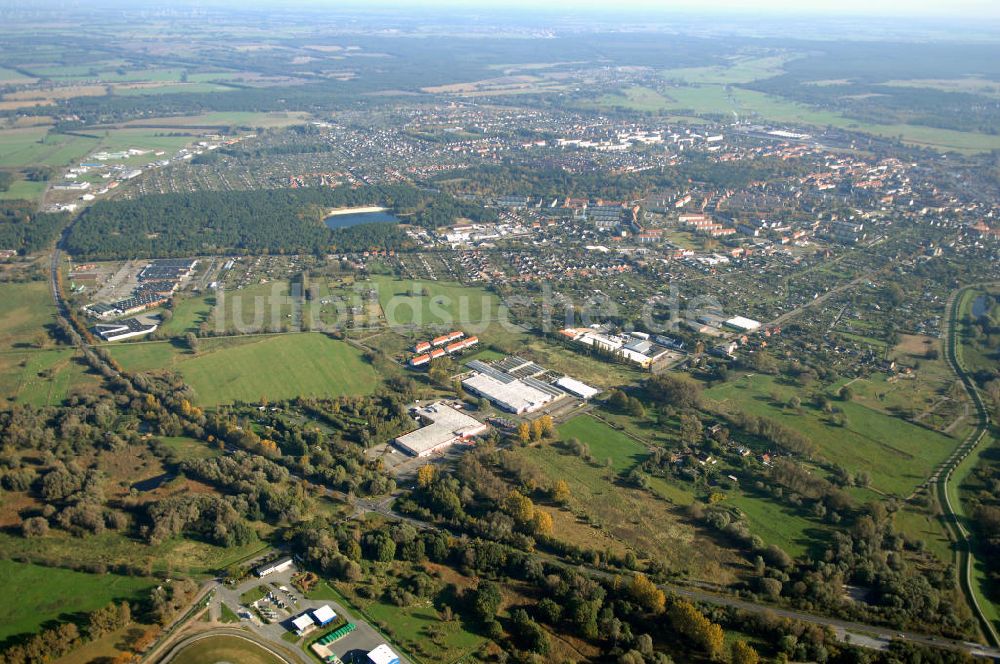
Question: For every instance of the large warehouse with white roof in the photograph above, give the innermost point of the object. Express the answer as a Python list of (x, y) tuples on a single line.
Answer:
[(515, 396), (444, 426)]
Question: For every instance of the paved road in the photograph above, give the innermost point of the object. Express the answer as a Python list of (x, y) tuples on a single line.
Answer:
[(860, 633), (843, 628), (941, 478), (363, 639)]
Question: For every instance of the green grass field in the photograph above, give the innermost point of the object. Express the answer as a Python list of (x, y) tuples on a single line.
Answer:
[(25, 310), (248, 368), (213, 649), (604, 442), (624, 514), (919, 524), (44, 377), (443, 304), (36, 146), (189, 448), (40, 594), (115, 140), (172, 88), (739, 70), (251, 309), (777, 523), (11, 76), (23, 190), (174, 556), (897, 454)]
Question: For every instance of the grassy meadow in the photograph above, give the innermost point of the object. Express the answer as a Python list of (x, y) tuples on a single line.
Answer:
[(898, 455), (625, 514), (604, 442), (41, 594), (248, 368), (442, 304)]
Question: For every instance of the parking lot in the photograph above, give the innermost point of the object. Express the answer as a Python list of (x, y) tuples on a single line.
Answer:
[(272, 616)]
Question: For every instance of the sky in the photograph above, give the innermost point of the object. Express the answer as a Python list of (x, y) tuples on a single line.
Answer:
[(953, 9)]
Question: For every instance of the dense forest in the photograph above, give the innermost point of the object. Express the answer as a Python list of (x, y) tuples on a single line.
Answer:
[(267, 221), (27, 231)]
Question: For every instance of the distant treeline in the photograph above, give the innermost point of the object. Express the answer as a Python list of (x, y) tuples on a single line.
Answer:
[(263, 221)]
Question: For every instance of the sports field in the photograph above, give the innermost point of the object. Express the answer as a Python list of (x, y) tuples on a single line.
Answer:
[(37, 594), (436, 303), (897, 454), (246, 310), (248, 368), (217, 649)]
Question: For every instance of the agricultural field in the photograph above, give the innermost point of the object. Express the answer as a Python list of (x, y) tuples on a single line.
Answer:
[(248, 368), (47, 593), (898, 455)]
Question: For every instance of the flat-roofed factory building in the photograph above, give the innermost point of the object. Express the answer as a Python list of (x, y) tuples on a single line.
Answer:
[(443, 426)]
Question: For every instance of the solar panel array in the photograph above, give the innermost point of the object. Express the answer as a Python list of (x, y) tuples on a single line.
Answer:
[(529, 369), (510, 363), (513, 368), (543, 387), (484, 368)]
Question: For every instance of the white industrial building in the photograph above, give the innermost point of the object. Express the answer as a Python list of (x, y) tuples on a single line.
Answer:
[(124, 329), (443, 426), (279, 565), (303, 624), (634, 347), (383, 655), (511, 394), (575, 387), (743, 324)]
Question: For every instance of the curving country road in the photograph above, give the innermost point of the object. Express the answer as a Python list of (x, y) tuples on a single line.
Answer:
[(966, 558)]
